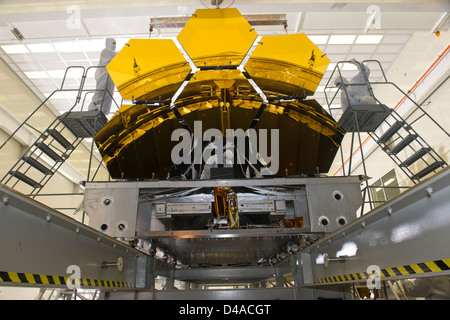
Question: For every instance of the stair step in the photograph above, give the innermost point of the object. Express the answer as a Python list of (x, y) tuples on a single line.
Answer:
[(402, 144), (25, 179), (391, 131), (416, 156), (60, 139), (432, 167), (48, 151), (36, 164)]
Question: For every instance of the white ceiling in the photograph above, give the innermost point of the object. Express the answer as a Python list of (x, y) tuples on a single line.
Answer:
[(51, 45)]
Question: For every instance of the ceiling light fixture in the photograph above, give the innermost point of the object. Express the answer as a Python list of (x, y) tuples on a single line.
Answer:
[(68, 46), (40, 47), (342, 39), (36, 74), (316, 39), (56, 73), (369, 39), (15, 48)]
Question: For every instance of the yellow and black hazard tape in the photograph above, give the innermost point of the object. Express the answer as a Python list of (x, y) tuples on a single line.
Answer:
[(39, 279), (410, 269)]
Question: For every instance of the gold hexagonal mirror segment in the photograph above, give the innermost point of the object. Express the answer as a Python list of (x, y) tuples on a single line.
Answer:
[(287, 64), (148, 69), (221, 33)]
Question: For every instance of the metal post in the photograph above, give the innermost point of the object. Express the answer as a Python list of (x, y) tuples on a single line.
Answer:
[(362, 159)]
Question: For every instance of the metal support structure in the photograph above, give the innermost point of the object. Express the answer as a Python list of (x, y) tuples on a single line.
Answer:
[(372, 118), (45, 248), (406, 237), (51, 148)]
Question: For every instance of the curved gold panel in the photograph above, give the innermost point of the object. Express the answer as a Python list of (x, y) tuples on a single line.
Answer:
[(136, 142), (148, 66), (212, 32), (290, 64)]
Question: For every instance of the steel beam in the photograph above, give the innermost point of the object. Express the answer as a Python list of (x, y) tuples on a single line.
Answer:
[(234, 274), (406, 237), (42, 247), (291, 293), (271, 182)]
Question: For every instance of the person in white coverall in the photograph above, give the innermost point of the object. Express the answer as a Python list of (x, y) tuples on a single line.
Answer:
[(104, 83), (356, 88)]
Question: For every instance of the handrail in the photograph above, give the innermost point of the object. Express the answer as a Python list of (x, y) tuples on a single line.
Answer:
[(43, 103), (337, 69), (80, 91), (370, 83), (59, 119), (374, 202)]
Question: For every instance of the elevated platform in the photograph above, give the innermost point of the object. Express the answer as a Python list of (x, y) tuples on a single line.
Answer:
[(369, 117), (84, 124)]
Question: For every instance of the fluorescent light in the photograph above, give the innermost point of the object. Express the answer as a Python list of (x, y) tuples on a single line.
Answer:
[(36, 74), (318, 39), (369, 39), (92, 45), (342, 39), (41, 47), (56, 73), (389, 181), (15, 48), (68, 46)]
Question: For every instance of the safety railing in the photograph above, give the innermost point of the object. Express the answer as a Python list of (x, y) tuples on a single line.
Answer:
[(374, 202), (81, 98), (369, 84), (339, 88)]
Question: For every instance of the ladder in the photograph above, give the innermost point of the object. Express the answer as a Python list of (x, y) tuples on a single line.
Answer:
[(54, 145), (399, 135)]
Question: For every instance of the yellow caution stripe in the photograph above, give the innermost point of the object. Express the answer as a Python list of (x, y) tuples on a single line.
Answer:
[(38, 279), (411, 269)]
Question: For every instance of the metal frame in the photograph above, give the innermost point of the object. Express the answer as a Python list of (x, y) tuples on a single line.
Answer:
[(406, 237), (39, 154), (288, 181), (40, 244), (383, 116)]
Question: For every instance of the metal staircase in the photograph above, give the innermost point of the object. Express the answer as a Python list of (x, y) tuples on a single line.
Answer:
[(399, 134), (55, 144)]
